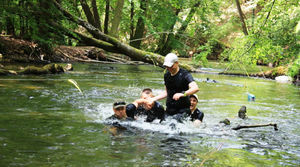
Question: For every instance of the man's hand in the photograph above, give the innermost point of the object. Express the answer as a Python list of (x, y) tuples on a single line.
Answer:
[(177, 96), (197, 123)]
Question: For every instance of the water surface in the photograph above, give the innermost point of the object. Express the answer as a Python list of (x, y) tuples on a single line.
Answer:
[(45, 121)]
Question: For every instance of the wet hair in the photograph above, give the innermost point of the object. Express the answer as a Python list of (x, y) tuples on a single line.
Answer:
[(147, 89)]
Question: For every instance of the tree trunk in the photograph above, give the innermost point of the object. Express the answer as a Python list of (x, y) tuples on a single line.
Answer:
[(168, 46), (96, 15), (164, 37), (242, 17), (87, 12), (140, 27), (131, 20), (117, 18), (22, 19), (106, 20), (133, 53), (10, 28)]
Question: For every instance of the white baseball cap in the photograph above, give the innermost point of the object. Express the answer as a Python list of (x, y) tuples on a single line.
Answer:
[(170, 59), (195, 96)]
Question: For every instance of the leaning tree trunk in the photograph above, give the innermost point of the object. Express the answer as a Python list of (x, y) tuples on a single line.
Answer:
[(87, 12), (96, 15), (164, 37), (140, 27), (133, 53), (241, 14), (168, 47)]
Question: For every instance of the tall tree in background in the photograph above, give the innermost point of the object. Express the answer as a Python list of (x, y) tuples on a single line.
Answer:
[(136, 39), (168, 46), (106, 19), (96, 15), (242, 17), (87, 12), (131, 19), (117, 18)]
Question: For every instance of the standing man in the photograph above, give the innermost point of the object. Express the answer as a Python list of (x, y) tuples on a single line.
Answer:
[(179, 84)]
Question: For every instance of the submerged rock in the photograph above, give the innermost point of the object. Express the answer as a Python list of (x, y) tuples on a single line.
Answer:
[(242, 112), (68, 67), (225, 121)]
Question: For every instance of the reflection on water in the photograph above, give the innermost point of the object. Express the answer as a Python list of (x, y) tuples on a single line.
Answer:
[(45, 121)]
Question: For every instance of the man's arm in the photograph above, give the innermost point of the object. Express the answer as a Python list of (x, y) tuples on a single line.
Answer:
[(162, 95), (193, 88), (139, 102)]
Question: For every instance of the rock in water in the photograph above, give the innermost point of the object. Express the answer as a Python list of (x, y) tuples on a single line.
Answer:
[(242, 112), (284, 79), (225, 121), (68, 67)]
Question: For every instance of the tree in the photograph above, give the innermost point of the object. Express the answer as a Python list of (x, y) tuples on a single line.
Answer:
[(137, 36), (168, 46), (242, 17), (87, 12), (106, 20), (117, 18), (96, 15)]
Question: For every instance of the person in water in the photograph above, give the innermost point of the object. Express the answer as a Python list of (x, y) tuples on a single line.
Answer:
[(179, 84), (156, 110), (139, 107), (196, 115)]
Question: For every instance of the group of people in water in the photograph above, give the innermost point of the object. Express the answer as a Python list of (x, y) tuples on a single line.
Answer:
[(181, 100)]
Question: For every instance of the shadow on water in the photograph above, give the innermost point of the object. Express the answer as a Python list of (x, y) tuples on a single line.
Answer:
[(46, 121)]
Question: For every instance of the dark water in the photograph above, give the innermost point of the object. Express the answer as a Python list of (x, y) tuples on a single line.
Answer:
[(45, 121)]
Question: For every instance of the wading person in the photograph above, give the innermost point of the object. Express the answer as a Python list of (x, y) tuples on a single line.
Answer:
[(156, 110), (121, 112), (196, 115), (139, 107), (179, 84)]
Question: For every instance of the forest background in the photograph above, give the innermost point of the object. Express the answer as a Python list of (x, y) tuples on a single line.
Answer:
[(244, 33)]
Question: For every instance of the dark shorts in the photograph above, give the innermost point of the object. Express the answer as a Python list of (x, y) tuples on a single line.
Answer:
[(178, 114)]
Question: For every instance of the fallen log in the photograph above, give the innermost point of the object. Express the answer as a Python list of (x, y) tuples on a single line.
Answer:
[(255, 126), (47, 69), (101, 39)]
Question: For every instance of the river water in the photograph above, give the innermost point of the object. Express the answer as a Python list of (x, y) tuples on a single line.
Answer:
[(46, 121)]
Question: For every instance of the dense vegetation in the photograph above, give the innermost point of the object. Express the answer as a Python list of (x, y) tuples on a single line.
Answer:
[(246, 32)]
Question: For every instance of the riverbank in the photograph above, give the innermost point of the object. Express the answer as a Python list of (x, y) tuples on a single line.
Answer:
[(21, 51)]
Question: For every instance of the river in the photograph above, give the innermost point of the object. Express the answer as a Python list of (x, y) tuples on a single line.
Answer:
[(46, 121)]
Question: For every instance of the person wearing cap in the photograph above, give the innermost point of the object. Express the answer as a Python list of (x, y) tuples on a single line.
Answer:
[(196, 115), (179, 84), (121, 113), (138, 107)]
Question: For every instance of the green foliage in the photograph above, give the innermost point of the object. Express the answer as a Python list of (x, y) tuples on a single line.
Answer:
[(294, 69), (201, 58), (270, 41)]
